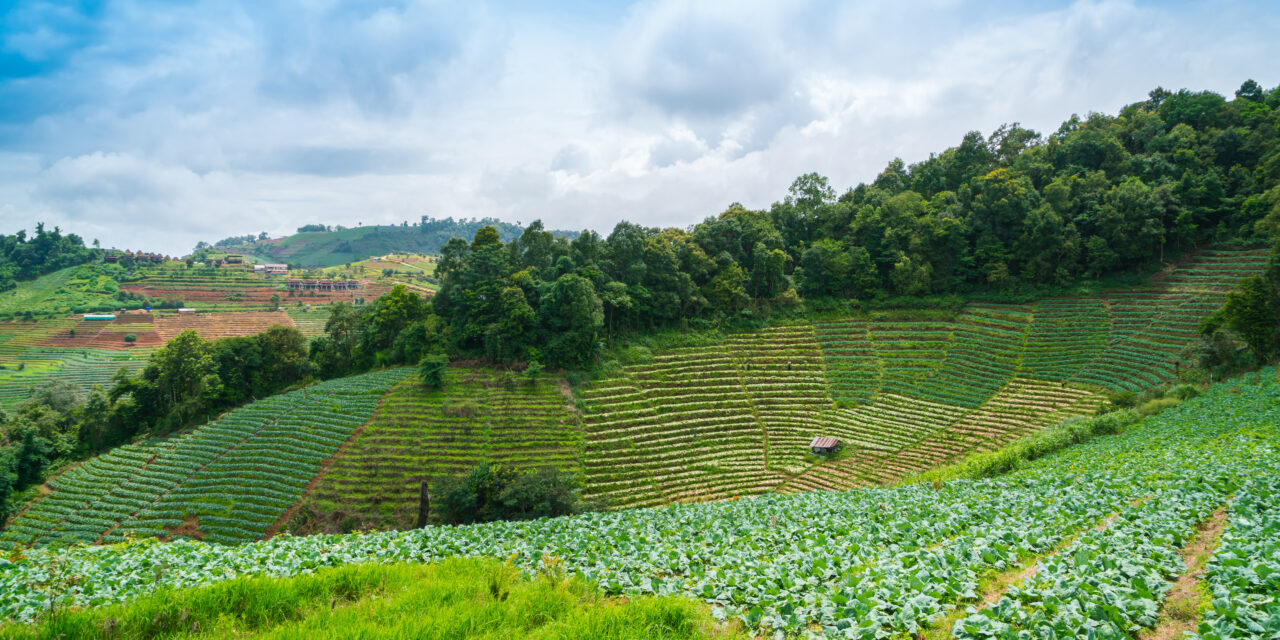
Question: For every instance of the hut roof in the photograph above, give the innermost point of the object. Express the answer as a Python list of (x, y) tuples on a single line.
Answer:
[(823, 443)]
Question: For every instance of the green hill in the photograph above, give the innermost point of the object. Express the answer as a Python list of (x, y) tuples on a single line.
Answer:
[(730, 418), (1089, 541), (343, 245)]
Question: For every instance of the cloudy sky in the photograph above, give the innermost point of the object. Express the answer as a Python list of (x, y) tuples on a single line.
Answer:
[(153, 125)]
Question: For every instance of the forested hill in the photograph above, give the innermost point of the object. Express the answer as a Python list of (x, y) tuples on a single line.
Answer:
[(317, 245), (1016, 209), (24, 258)]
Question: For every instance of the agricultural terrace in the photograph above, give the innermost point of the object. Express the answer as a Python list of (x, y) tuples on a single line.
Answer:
[(419, 434), (32, 353), (310, 319), (228, 480), (233, 289), (903, 393), (212, 326), (869, 563)]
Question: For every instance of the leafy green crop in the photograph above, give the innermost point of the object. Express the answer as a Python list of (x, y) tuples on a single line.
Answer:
[(858, 564)]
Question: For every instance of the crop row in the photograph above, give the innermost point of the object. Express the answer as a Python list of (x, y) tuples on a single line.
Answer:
[(862, 564), (255, 460)]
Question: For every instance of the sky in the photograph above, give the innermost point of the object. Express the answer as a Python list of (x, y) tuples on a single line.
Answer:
[(155, 125)]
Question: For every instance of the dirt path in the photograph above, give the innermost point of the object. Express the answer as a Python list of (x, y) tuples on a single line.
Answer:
[(1181, 610)]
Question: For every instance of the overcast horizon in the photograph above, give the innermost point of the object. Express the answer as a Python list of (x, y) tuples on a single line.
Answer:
[(152, 126)]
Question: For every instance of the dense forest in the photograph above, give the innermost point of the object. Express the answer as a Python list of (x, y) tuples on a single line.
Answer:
[(23, 258)]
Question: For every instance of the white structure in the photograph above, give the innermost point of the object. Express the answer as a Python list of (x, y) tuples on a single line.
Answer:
[(277, 269)]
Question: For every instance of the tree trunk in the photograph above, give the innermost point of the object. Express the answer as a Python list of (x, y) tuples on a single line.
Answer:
[(424, 505)]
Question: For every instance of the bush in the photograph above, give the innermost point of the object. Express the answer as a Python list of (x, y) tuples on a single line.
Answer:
[(129, 337), (431, 371), (1037, 445), (496, 492), (461, 409)]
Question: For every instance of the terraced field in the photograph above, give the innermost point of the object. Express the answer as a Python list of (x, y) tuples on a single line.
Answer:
[(227, 290), (419, 434), (904, 394), (212, 326), (226, 481)]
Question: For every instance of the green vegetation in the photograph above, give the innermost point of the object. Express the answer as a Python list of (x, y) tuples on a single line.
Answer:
[(905, 390), (322, 246), (1005, 216), (419, 434), (228, 480), (23, 258), (1103, 522), (451, 599), (496, 492)]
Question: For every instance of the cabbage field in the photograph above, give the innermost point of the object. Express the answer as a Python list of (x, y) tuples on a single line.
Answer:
[(1102, 522)]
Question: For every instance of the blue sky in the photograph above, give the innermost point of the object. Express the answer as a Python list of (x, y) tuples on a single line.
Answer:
[(153, 125)]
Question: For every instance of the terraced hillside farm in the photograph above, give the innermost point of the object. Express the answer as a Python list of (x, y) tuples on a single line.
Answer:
[(1100, 540), (419, 434), (33, 353), (228, 481), (228, 290), (90, 352), (212, 326), (903, 392)]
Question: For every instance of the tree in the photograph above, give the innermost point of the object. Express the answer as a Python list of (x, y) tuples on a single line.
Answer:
[(1252, 311), (572, 315), (431, 371)]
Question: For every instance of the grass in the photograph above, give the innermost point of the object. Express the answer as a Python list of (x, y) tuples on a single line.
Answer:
[(458, 598)]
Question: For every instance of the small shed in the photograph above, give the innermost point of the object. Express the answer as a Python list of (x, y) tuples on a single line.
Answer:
[(276, 269), (100, 316), (186, 310), (821, 445)]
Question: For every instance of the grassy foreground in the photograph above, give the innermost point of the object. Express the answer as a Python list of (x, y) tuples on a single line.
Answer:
[(456, 598)]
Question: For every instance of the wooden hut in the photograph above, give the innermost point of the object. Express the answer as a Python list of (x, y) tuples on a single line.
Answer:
[(822, 446)]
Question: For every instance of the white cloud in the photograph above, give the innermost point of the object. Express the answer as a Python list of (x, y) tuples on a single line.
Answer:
[(156, 126)]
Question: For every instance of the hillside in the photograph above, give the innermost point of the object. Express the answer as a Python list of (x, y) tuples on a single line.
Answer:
[(1035, 554), (904, 394), (343, 245), (226, 481), (89, 352), (734, 417)]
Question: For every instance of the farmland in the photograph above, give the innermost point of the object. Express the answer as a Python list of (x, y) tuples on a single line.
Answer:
[(236, 290), (904, 392), (226, 481), (732, 417), (860, 564), (419, 434), (89, 352)]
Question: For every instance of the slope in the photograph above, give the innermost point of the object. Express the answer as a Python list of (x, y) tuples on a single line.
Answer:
[(867, 563)]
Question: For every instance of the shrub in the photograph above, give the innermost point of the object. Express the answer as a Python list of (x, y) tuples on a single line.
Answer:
[(129, 337), (496, 492), (461, 409), (431, 371)]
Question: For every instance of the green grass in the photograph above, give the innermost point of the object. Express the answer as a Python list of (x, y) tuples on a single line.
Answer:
[(458, 598)]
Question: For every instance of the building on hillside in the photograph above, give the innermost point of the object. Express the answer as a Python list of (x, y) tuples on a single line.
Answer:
[(100, 316), (111, 258), (186, 310), (821, 445), (276, 269), (258, 268), (233, 259)]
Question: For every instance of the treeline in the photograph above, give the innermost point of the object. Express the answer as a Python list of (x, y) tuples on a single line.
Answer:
[(1014, 210), (25, 258)]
